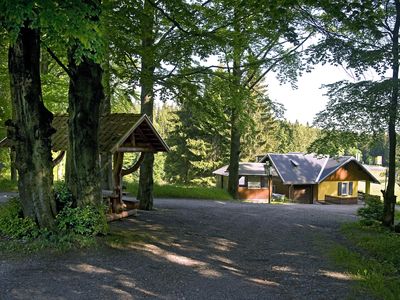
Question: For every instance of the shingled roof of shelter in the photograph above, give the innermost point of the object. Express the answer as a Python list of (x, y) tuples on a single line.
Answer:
[(113, 132), (300, 168)]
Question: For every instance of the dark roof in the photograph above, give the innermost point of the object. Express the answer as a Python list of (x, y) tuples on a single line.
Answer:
[(296, 168), (115, 131), (332, 164), (245, 169), (299, 168)]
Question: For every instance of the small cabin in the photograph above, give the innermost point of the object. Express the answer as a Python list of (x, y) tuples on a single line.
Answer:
[(254, 181), (308, 178)]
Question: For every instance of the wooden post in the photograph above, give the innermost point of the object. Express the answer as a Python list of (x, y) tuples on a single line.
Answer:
[(368, 187), (117, 173), (269, 188)]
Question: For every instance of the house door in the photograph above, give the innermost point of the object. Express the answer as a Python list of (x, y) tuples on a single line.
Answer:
[(302, 194)]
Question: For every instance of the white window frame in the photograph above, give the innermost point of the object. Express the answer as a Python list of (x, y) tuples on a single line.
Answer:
[(345, 189), (253, 184)]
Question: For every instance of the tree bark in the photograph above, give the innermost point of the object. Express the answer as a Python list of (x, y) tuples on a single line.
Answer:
[(145, 191), (234, 157), (85, 96), (31, 129), (105, 158), (13, 168), (389, 195)]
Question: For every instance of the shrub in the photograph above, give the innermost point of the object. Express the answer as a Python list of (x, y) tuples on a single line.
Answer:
[(13, 224), (372, 212), (86, 220), (62, 195)]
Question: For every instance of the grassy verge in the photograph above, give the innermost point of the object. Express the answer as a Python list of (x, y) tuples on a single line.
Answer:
[(184, 192), (371, 256), (6, 185)]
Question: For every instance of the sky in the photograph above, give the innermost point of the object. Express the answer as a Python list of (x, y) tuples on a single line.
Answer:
[(305, 102)]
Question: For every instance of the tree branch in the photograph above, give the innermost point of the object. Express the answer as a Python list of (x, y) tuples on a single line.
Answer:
[(58, 61)]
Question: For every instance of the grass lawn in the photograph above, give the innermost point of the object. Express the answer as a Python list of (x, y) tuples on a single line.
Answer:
[(6, 185), (371, 256), (184, 192)]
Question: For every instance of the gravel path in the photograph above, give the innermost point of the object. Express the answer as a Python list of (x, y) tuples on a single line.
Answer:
[(196, 250), (5, 196)]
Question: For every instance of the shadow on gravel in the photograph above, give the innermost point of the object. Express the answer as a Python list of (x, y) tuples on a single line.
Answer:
[(165, 254)]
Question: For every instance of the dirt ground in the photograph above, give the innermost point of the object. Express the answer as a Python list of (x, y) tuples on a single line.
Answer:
[(188, 249)]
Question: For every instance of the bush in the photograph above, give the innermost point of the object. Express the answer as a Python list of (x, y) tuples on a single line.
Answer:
[(13, 224), (87, 220), (372, 213), (62, 195)]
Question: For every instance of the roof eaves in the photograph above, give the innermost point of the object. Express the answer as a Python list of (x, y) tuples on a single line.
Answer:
[(156, 133), (322, 169), (128, 133), (300, 182), (369, 173), (337, 167), (221, 171)]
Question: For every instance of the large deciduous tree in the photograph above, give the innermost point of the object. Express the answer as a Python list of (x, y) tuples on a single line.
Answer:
[(31, 128), (149, 47), (363, 35), (258, 38), (85, 96)]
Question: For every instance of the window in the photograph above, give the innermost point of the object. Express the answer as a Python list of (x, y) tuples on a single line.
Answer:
[(253, 182), (242, 181), (345, 188), (264, 182)]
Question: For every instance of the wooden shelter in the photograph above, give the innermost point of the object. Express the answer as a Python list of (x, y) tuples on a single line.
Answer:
[(118, 133)]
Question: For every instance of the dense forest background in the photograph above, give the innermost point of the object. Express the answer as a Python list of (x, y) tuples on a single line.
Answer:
[(198, 132)]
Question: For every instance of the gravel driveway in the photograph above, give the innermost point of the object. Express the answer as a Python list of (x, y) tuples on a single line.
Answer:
[(196, 250)]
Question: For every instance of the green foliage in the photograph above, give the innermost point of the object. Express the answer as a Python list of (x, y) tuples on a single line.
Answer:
[(184, 192), (6, 185), (84, 220), (372, 213), (13, 224), (75, 227), (336, 142), (62, 195), (360, 107), (371, 257)]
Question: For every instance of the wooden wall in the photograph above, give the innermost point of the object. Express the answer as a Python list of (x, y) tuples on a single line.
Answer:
[(254, 194)]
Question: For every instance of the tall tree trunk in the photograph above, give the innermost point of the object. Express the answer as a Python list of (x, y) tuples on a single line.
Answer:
[(105, 109), (31, 129), (13, 168), (389, 196), (85, 95), (234, 157), (145, 191)]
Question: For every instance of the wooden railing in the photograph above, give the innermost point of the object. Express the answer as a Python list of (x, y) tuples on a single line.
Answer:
[(340, 200)]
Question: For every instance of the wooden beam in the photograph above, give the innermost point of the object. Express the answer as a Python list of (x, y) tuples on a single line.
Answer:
[(135, 149), (117, 173), (133, 139), (142, 135), (124, 214), (134, 167), (58, 159)]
